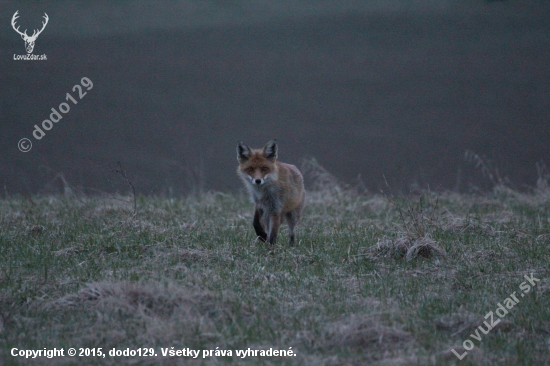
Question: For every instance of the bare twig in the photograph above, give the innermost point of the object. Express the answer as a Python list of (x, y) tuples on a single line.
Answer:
[(488, 168), (122, 172)]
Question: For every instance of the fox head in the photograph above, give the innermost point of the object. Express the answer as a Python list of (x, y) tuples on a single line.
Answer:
[(257, 166)]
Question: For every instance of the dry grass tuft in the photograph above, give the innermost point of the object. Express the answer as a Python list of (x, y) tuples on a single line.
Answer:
[(458, 322), (457, 224), (418, 218), (464, 322), (35, 230), (475, 355), (363, 332), (399, 361), (424, 247), (195, 255), (402, 246), (154, 299)]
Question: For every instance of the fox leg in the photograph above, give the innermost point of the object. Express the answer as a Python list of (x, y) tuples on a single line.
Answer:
[(292, 218), (275, 222), (260, 232)]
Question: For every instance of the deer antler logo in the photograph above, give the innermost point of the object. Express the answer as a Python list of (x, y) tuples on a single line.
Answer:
[(29, 41)]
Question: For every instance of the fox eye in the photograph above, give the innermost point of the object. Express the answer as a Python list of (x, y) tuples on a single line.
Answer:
[(250, 170), (265, 169)]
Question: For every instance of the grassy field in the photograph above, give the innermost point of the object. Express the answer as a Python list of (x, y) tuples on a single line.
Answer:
[(373, 279)]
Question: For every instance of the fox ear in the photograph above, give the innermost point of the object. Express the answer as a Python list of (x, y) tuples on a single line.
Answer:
[(270, 150), (243, 152)]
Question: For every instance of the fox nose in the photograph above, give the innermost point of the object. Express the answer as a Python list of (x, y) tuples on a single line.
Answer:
[(258, 181)]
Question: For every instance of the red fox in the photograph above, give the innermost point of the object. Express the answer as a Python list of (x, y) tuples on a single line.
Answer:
[(276, 188)]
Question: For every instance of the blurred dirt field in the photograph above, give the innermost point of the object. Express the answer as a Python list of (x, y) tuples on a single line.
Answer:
[(401, 94)]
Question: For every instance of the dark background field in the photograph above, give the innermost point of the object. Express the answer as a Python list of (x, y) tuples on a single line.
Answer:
[(394, 89)]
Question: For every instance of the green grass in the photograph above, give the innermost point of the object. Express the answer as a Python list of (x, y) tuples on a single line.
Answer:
[(371, 280)]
